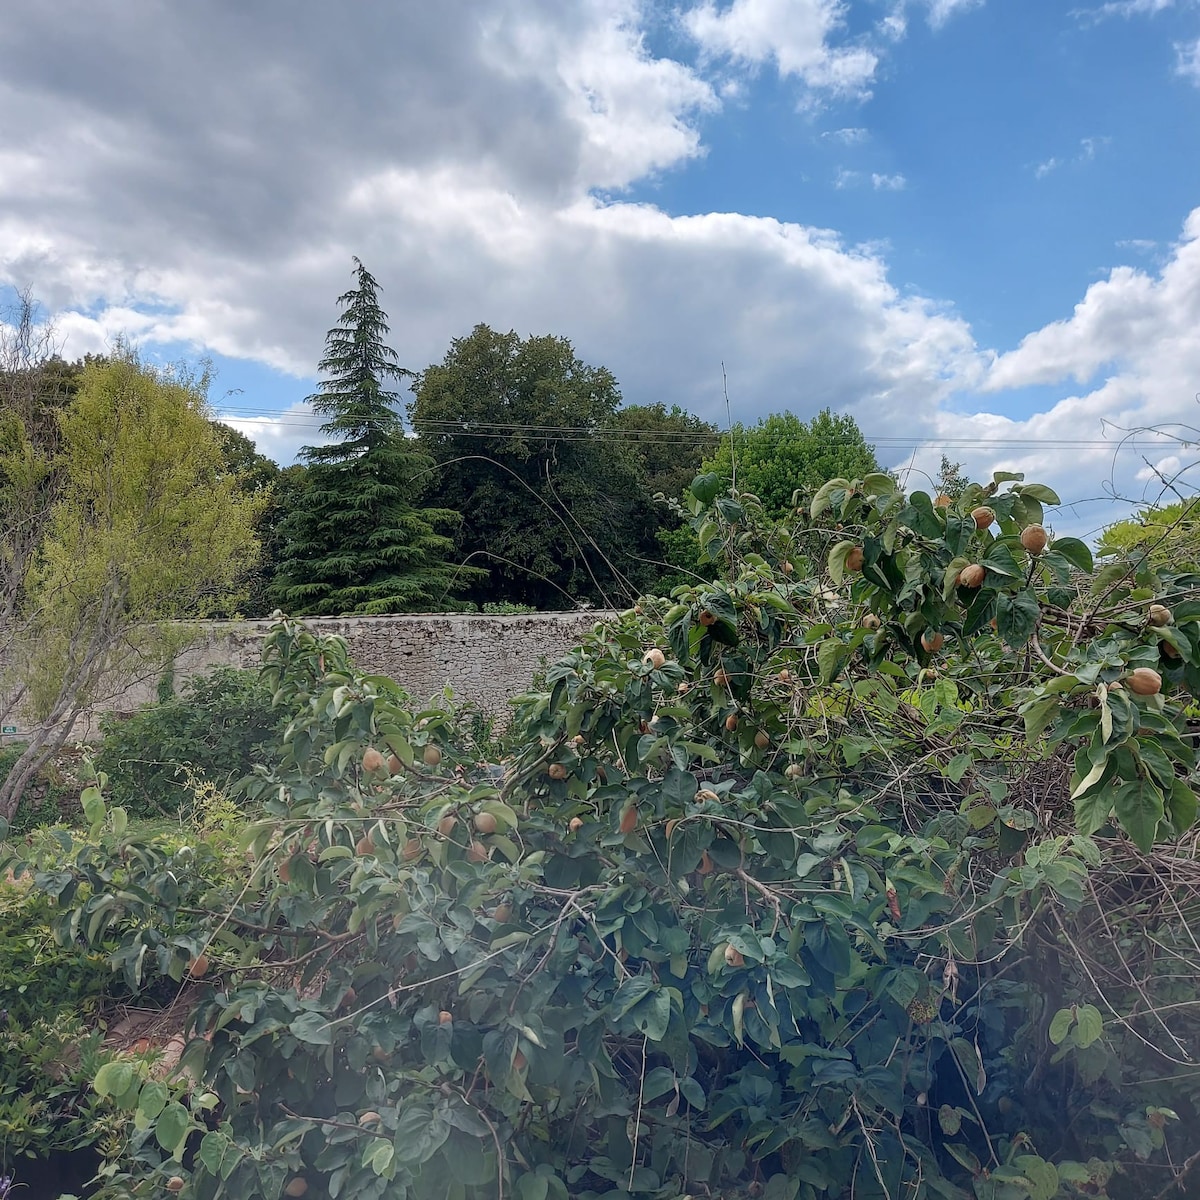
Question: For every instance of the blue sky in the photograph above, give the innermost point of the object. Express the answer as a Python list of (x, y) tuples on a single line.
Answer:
[(973, 224)]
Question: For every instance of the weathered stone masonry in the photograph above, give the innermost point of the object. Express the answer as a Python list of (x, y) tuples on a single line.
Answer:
[(484, 659)]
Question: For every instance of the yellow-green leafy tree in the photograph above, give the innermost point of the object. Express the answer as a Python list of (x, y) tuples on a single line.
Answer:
[(146, 527)]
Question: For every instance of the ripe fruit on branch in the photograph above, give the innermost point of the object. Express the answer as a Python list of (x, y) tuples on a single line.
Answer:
[(731, 722), (707, 618), (733, 956), (871, 621), (557, 771), (444, 1017), (854, 560), (484, 822), (787, 567), (502, 913), (655, 657), (372, 760), (446, 825), (1144, 681), (412, 849), (364, 845), (721, 677), (932, 641), (794, 771), (519, 1061), (671, 826), (175, 1184), (296, 1186), (431, 755), (762, 739), (575, 824), (983, 516), (370, 1117), (784, 676), (198, 967), (1168, 650), (1160, 615), (478, 853), (971, 576), (1034, 539), (629, 819), (285, 871), (394, 765), (942, 501), (706, 864)]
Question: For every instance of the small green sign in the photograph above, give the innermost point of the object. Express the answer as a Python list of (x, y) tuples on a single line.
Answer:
[(8, 729)]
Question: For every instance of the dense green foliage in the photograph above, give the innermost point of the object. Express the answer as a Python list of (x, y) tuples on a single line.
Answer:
[(530, 451), (783, 453), (805, 882), (126, 519), (1169, 534), (215, 730), (356, 539)]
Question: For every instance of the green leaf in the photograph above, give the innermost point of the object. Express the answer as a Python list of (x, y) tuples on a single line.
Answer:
[(837, 560), (93, 805), (1181, 807), (1060, 1026), (1038, 715), (1039, 492), (152, 1100), (114, 1079), (824, 497), (830, 656), (1041, 1174), (171, 1128), (1017, 617), (313, 1028), (1138, 805), (705, 487), (1075, 552), (378, 1155), (1090, 1025)]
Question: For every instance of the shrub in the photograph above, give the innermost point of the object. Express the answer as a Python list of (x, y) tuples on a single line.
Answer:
[(769, 900), (216, 729)]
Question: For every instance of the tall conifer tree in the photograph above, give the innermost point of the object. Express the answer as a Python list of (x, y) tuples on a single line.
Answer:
[(357, 541)]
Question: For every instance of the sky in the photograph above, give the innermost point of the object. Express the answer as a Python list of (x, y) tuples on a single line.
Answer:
[(974, 225)]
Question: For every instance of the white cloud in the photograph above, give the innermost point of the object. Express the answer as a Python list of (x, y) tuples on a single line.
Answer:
[(1128, 8), (846, 178), (279, 437), (888, 183), (795, 35), (1088, 148), (1131, 348), (850, 136), (1187, 61), (940, 11), (142, 198)]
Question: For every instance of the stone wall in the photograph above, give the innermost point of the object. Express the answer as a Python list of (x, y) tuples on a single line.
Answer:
[(484, 659)]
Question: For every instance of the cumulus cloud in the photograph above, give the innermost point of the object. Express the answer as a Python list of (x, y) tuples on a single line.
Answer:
[(215, 197), (795, 35), (888, 183), (1130, 349)]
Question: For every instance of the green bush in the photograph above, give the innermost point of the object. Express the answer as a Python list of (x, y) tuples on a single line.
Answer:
[(47, 798), (215, 730)]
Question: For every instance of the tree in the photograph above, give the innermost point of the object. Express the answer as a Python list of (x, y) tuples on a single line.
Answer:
[(525, 437), (359, 542), (1168, 534), (951, 481), (144, 526), (668, 444), (783, 454)]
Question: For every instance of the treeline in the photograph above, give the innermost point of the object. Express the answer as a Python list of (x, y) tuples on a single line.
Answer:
[(509, 475)]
